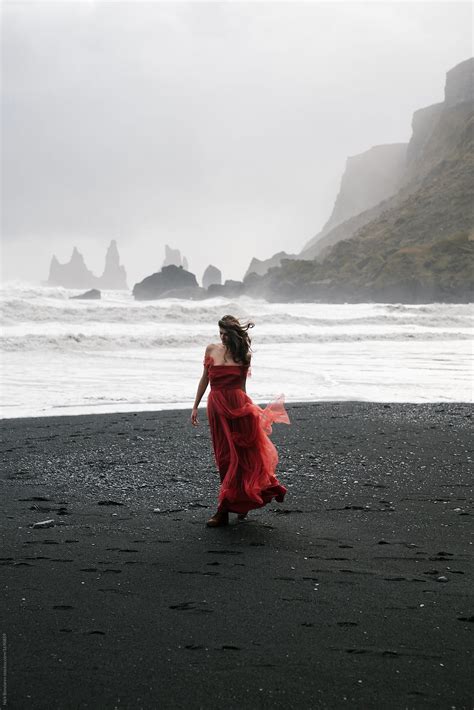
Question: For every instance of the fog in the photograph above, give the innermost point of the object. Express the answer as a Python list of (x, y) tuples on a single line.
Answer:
[(221, 129)]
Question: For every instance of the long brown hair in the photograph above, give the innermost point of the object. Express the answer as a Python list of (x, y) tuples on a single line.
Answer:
[(237, 339)]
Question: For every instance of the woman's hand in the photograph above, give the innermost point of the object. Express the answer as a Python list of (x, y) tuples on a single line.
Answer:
[(194, 417)]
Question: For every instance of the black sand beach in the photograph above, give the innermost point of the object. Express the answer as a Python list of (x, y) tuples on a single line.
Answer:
[(356, 592)]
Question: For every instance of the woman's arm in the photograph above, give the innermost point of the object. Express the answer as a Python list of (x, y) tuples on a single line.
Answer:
[(202, 386)]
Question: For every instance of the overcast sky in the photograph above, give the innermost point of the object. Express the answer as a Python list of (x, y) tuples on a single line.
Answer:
[(221, 129)]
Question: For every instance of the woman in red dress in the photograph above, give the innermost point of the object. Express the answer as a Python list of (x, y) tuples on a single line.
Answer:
[(245, 456)]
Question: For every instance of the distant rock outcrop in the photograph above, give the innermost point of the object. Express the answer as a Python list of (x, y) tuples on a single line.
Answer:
[(114, 275), (92, 295), (171, 282), (75, 274), (260, 267), (229, 288), (211, 276), (173, 258)]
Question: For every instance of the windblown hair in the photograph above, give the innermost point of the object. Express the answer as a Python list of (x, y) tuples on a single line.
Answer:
[(237, 339)]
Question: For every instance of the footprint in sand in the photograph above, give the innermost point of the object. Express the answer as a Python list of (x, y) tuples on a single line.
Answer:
[(190, 606), (205, 574)]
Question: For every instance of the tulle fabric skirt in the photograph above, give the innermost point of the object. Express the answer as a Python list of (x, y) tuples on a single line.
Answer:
[(245, 456)]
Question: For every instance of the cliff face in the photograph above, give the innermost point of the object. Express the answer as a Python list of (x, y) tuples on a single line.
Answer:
[(382, 178), (436, 131), (416, 245), (459, 83), (75, 274), (369, 178), (423, 122)]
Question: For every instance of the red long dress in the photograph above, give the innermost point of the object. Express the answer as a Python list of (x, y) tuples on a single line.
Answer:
[(245, 456)]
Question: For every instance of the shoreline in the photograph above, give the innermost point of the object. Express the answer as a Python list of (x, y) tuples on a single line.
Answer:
[(356, 591), (180, 407)]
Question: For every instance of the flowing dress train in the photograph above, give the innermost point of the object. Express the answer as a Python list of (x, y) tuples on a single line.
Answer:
[(240, 429)]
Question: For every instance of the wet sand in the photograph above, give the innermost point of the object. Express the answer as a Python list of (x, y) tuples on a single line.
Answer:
[(356, 592)]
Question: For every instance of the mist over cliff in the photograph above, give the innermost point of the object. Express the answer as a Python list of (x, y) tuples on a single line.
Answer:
[(416, 244)]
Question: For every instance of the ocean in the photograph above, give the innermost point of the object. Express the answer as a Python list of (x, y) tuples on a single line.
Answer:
[(62, 356)]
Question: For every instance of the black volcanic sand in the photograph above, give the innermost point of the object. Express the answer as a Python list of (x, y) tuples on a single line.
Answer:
[(353, 593)]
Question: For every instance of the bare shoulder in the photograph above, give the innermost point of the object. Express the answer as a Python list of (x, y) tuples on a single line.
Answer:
[(211, 348)]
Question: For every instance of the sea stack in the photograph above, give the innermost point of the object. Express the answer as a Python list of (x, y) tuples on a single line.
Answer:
[(171, 282), (211, 276), (114, 275), (173, 258), (73, 274)]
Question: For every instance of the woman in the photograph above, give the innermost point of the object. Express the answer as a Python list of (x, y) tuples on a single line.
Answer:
[(245, 456)]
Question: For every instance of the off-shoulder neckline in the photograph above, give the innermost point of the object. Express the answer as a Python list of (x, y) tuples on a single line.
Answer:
[(209, 357)]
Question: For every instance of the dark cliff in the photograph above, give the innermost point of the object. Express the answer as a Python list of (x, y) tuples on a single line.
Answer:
[(416, 245)]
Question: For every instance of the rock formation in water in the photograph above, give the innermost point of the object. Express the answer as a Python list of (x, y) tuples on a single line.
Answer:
[(229, 288), (171, 282), (75, 274), (92, 295), (211, 276), (114, 275), (173, 258), (416, 245)]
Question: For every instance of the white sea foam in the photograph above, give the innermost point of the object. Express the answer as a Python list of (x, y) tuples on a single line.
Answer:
[(116, 354)]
